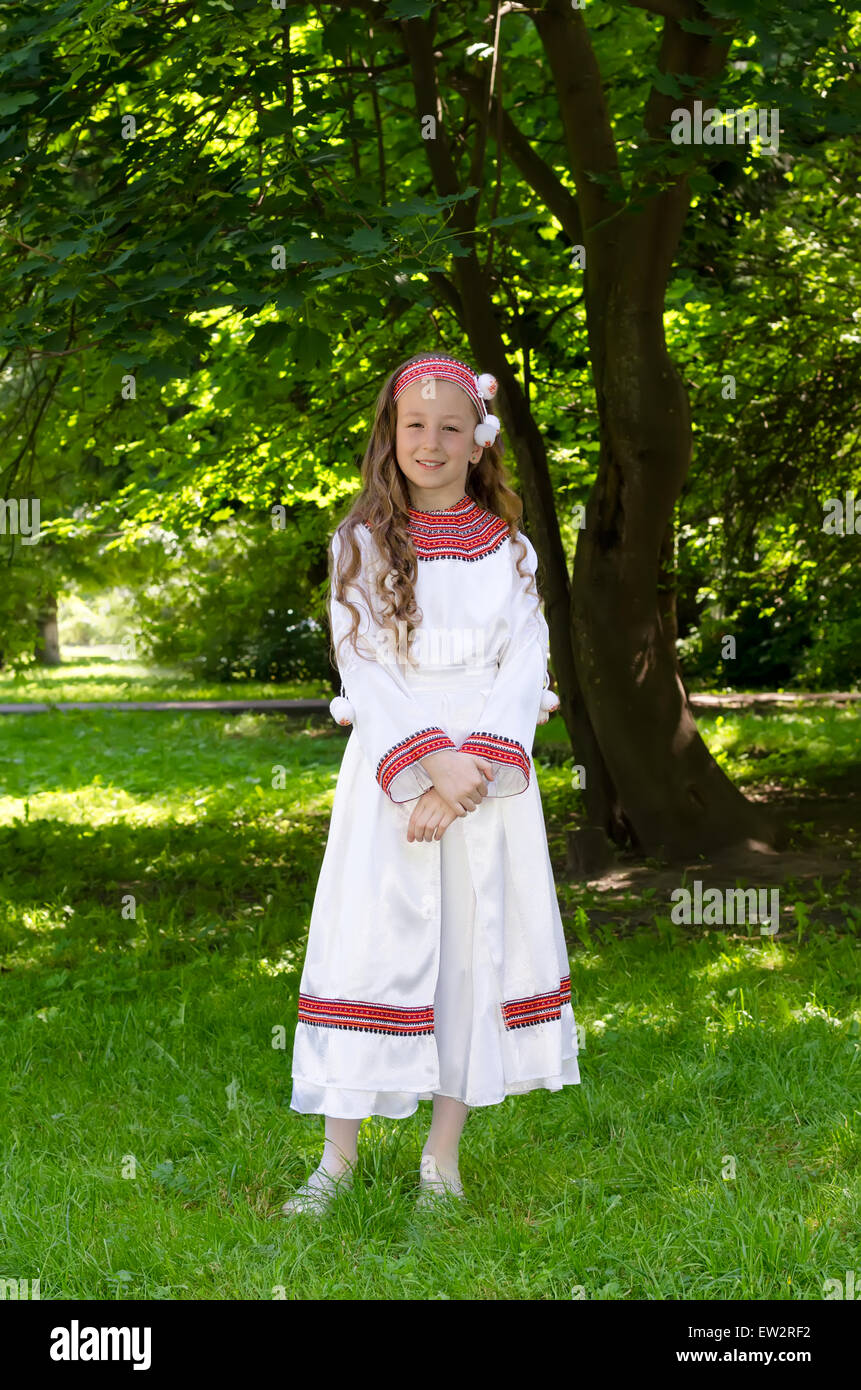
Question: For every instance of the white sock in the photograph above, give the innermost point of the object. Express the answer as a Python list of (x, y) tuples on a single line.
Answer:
[(446, 1166), (339, 1150), (321, 1180), (443, 1141)]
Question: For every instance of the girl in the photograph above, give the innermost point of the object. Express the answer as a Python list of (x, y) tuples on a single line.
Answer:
[(436, 966)]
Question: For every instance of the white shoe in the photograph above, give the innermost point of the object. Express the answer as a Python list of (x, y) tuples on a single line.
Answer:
[(435, 1186), (317, 1194)]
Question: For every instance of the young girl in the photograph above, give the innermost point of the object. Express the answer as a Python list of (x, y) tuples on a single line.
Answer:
[(436, 966)]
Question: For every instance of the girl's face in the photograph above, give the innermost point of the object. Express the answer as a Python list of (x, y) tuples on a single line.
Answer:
[(434, 443)]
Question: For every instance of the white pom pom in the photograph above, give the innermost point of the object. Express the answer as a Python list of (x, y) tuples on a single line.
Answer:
[(549, 703), (487, 386), (341, 710), (487, 430)]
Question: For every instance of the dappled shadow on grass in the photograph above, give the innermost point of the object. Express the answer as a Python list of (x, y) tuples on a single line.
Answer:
[(64, 882), (105, 674), (183, 815), (819, 867), (167, 759)]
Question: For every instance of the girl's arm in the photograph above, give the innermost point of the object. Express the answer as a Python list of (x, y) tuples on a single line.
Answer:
[(393, 730), (506, 728)]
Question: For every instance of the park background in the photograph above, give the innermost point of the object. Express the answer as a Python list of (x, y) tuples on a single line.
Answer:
[(224, 223)]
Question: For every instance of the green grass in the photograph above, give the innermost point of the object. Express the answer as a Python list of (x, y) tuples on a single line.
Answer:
[(87, 676), (147, 1140)]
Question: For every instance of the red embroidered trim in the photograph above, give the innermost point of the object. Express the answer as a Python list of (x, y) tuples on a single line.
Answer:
[(462, 532), (367, 1018), (358, 1015), (537, 1008), (497, 748), (408, 751)]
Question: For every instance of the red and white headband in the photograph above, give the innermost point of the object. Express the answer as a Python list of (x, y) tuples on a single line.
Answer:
[(478, 388)]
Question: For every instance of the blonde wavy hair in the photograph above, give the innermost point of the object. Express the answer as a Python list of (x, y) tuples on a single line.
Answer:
[(384, 504)]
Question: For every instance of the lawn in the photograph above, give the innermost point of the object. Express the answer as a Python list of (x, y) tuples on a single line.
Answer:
[(156, 889), (90, 673)]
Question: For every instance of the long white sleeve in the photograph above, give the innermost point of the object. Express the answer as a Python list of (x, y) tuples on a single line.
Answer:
[(393, 730), (505, 732)]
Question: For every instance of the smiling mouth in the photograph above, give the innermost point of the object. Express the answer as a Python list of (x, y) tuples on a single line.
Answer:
[(424, 463)]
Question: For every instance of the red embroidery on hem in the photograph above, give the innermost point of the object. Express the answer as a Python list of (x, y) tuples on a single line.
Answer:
[(537, 1008), (367, 1018)]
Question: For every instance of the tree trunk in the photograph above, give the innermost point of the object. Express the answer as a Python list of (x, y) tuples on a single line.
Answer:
[(47, 650), (676, 798), (675, 795)]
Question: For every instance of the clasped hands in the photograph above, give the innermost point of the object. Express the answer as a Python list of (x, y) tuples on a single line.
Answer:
[(459, 786)]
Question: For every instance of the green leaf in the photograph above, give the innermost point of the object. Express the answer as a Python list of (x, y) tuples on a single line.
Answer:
[(279, 121), (64, 249), (345, 268), (667, 83), (120, 259), (64, 293), (308, 248), (702, 183), (419, 207), (310, 347), (269, 336), (514, 218), (367, 239), (288, 299), (14, 103)]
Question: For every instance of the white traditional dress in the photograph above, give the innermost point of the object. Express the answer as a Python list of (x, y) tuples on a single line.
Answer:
[(437, 967)]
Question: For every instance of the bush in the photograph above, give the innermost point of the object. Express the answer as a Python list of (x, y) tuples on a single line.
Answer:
[(237, 605)]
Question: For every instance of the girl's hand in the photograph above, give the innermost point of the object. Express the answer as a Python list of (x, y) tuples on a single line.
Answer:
[(460, 778), (431, 818)]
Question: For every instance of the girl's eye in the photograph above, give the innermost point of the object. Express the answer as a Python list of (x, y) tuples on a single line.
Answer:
[(415, 425)]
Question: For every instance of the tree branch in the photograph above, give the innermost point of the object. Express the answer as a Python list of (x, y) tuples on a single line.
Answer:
[(691, 54), (660, 225), (421, 56), (537, 173), (582, 106), (448, 291)]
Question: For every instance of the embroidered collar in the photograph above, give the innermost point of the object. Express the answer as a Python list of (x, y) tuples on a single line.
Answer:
[(463, 531)]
